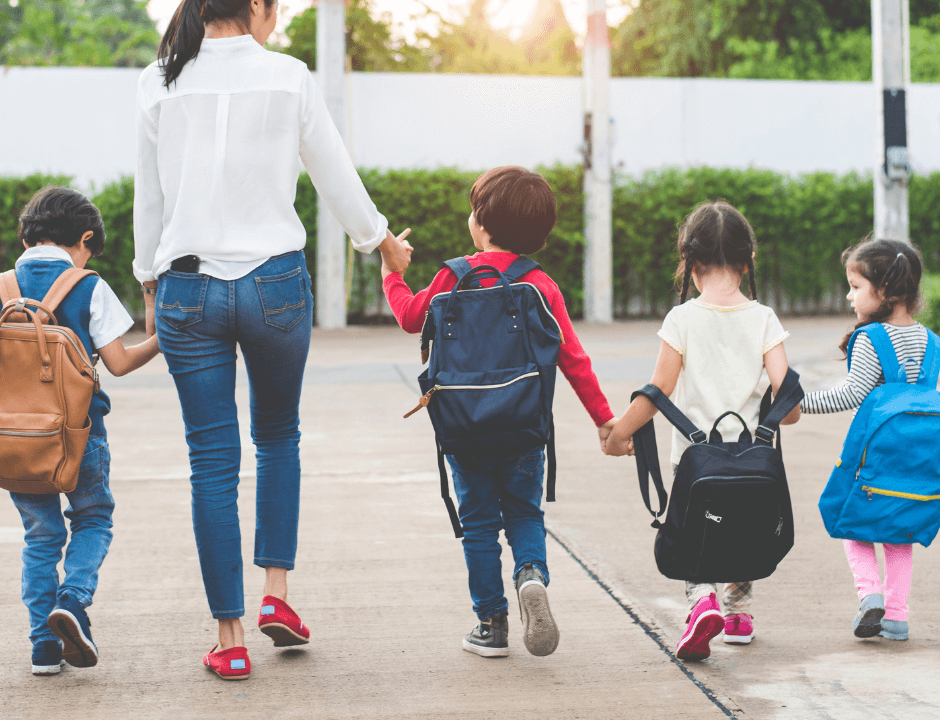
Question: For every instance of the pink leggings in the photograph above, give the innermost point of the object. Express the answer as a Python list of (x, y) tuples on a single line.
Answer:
[(899, 562)]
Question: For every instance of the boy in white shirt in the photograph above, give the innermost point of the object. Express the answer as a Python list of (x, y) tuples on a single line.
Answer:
[(61, 229)]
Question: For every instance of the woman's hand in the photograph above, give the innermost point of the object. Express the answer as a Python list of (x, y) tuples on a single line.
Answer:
[(396, 253), (150, 301)]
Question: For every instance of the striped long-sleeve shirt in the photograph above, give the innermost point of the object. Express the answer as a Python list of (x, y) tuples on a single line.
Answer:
[(910, 341)]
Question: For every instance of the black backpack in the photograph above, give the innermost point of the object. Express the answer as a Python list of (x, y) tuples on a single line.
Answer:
[(729, 518)]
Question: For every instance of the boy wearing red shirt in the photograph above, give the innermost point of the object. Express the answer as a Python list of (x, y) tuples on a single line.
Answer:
[(513, 212)]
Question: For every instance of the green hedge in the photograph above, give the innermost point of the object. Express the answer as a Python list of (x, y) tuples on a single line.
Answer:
[(802, 223)]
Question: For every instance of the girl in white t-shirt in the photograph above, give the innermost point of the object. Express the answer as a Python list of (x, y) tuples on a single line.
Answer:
[(713, 354)]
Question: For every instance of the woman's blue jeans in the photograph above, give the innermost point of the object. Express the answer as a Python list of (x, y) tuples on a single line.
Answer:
[(494, 495), (200, 320)]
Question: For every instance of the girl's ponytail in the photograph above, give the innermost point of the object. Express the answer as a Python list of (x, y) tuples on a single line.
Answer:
[(893, 268), (182, 39)]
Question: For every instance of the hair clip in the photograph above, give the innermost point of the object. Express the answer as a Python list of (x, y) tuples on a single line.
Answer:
[(899, 255)]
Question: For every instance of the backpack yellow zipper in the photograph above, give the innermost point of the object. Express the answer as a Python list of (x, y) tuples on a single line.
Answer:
[(894, 493), (426, 398)]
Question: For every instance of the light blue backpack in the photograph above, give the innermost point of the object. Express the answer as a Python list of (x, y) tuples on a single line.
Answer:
[(886, 485)]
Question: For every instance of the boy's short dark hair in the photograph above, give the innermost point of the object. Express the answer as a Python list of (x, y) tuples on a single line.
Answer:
[(62, 216), (515, 206)]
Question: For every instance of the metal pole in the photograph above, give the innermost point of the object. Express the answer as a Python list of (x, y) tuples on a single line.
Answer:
[(598, 258), (331, 238), (891, 73)]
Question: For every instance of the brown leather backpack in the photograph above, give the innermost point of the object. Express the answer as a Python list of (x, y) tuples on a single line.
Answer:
[(46, 384)]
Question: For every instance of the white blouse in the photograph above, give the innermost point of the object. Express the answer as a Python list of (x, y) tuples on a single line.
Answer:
[(217, 162)]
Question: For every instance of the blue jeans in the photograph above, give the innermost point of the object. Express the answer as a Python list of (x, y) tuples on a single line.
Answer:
[(89, 513), (200, 320), (494, 495)]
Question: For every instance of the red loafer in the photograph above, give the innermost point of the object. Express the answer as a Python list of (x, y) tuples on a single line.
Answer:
[(231, 664), (282, 624)]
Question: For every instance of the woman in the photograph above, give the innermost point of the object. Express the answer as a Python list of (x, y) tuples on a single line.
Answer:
[(220, 124)]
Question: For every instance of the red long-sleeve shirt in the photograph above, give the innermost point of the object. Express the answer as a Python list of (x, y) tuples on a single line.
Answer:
[(410, 309)]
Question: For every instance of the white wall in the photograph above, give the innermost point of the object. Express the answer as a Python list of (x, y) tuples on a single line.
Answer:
[(80, 121)]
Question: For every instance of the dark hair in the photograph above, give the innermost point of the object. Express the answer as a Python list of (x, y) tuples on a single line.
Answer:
[(62, 216), (893, 267), (715, 235), (515, 206), (183, 37)]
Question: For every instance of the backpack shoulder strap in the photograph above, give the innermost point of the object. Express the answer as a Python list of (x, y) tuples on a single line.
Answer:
[(671, 412), (9, 287), (519, 267), (883, 346), (63, 285), (460, 266), (931, 365), (788, 397)]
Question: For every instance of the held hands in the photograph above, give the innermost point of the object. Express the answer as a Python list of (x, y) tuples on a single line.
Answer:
[(613, 442), (396, 253), (149, 307), (603, 432)]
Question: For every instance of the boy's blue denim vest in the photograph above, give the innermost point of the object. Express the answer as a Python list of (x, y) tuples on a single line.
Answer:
[(35, 277)]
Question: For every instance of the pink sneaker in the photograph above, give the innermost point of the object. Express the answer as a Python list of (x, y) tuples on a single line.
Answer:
[(705, 622), (739, 629)]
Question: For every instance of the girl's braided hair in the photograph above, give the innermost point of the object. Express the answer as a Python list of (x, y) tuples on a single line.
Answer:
[(715, 235), (893, 267), (61, 215)]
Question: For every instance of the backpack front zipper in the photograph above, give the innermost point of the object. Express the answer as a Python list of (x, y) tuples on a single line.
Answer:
[(426, 398), (894, 493), (28, 433)]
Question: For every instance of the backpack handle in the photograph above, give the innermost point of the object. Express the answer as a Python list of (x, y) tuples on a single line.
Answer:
[(19, 306), (788, 397), (715, 437), (512, 310)]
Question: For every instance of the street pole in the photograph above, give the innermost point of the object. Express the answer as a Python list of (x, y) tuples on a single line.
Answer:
[(891, 73), (598, 256), (331, 238)]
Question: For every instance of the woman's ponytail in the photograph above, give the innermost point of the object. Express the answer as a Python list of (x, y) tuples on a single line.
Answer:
[(182, 39)]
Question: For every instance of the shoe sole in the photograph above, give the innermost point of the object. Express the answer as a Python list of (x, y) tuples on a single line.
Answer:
[(694, 646), (869, 625), (228, 677), (893, 636), (48, 669), (282, 635), (738, 639), (485, 651), (539, 631), (77, 650)]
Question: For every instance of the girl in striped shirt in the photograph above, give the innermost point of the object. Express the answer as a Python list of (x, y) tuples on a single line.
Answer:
[(884, 280)]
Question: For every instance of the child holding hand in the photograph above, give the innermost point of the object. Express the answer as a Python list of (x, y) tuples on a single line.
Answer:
[(884, 279), (713, 354), (513, 212), (62, 229)]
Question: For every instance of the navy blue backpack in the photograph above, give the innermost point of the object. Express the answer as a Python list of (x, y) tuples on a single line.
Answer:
[(886, 484), (490, 379)]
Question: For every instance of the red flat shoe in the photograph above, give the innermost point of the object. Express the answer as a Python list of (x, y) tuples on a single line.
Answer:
[(231, 664), (282, 624)]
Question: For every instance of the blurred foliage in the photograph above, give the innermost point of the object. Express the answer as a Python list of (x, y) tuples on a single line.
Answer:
[(100, 33), (930, 290), (370, 44), (802, 224)]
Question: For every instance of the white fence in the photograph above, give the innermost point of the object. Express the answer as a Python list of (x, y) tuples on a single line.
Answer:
[(80, 122)]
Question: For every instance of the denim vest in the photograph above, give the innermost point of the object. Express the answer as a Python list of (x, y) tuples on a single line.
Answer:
[(35, 277)]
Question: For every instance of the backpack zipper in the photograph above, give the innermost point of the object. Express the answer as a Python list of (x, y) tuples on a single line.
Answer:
[(426, 398), (28, 433), (894, 493), (538, 292)]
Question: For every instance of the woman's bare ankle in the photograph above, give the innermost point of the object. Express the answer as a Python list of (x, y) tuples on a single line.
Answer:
[(275, 582), (231, 633)]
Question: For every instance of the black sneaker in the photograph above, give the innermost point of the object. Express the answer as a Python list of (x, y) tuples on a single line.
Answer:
[(539, 631), (69, 621), (47, 658), (490, 638)]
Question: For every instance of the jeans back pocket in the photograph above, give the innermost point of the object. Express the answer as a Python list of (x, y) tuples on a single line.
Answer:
[(182, 298), (283, 298)]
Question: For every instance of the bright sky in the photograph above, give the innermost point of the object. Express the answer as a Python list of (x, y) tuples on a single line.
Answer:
[(509, 14)]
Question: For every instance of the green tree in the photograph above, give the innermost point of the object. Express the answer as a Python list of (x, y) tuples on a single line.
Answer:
[(108, 33), (370, 44)]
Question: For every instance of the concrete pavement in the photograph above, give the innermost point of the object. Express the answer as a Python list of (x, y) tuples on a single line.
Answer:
[(381, 580)]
